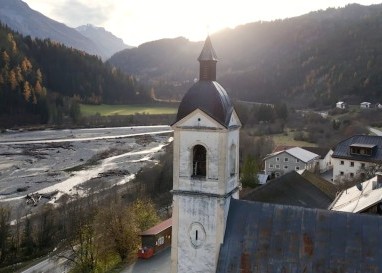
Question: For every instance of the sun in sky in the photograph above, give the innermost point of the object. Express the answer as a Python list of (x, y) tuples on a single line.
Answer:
[(139, 21)]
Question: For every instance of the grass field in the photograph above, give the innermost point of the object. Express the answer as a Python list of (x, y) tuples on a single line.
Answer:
[(281, 139), (109, 110)]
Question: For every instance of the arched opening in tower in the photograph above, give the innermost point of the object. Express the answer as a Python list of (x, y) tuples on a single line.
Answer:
[(199, 161)]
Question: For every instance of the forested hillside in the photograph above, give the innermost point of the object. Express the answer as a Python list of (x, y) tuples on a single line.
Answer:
[(42, 81), (311, 60)]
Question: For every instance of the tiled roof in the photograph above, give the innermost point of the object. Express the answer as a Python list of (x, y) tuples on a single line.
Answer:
[(342, 149), (356, 199), (325, 186), (158, 228), (263, 237), (291, 189)]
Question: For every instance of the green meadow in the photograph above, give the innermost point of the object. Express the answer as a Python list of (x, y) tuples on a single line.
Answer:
[(123, 110)]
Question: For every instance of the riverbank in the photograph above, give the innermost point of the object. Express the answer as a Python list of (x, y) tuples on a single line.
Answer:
[(54, 165)]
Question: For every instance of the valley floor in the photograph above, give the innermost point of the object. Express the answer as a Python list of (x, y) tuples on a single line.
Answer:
[(53, 165)]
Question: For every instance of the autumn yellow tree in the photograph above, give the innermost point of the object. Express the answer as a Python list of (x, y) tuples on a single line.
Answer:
[(27, 92), (38, 88), (26, 65), (120, 233), (12, 80), (5, 58), (145, 214)]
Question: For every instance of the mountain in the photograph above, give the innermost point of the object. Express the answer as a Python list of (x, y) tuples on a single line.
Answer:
[(107, 42), (20, 17), (43, 81), (310, 60)]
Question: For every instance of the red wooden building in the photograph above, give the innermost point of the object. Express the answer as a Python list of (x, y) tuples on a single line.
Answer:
[(155, 239)]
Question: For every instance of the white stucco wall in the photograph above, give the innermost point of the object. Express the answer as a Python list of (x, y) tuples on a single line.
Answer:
[(326, 162), (202, 200), (210, 214), (346, 167)]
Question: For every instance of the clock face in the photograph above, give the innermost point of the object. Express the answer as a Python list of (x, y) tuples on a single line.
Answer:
[(197, 234)]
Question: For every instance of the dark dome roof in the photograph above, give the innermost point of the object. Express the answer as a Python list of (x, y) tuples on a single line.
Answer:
[(210, 97)]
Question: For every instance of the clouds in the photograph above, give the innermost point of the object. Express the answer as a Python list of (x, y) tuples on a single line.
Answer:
[(80, 12)]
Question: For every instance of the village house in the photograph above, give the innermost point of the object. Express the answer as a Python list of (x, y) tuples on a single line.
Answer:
[(292, 159), (365, 105), (354, 154)]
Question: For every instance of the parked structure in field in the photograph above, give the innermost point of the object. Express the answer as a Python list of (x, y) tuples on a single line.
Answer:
[(292, 159), (341, 105), (365, 105), (354, 154)]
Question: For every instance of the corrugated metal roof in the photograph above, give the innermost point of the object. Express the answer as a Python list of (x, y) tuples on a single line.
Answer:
[(291, 189), (272, 238), (322, 152), (342, 149), (158, 228), (297, 152), (302, 154), (356, 199)]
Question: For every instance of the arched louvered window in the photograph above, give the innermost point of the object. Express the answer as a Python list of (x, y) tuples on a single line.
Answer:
[(199, 161), (232, 160)]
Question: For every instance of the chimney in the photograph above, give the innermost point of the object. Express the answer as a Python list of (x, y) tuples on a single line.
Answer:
[(379, 179), (378, 182)]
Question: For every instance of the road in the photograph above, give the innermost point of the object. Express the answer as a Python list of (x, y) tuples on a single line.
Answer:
[(78, 135), (50, 265), (375, 131), (160, 263)]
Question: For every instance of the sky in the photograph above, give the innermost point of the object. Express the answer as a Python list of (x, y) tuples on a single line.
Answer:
[(140, 21)]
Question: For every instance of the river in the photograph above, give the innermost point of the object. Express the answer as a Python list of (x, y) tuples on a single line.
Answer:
[(46, 161)]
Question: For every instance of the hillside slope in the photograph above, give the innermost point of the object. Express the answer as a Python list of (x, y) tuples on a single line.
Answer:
[(96, 41), (310, 60)]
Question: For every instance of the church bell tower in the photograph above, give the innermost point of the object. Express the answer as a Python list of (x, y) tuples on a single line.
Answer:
[(205, 177)]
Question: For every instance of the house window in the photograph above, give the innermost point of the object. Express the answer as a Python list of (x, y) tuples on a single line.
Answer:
[(351, 164), (341, 173), (270, 165), (277, 158), (297, 168), (277, 166), (160, 241), (199, 161), (297, 160), (285, 167), (277, 174), (351, 175), (362, 165), (286, 159), (342, 162)]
